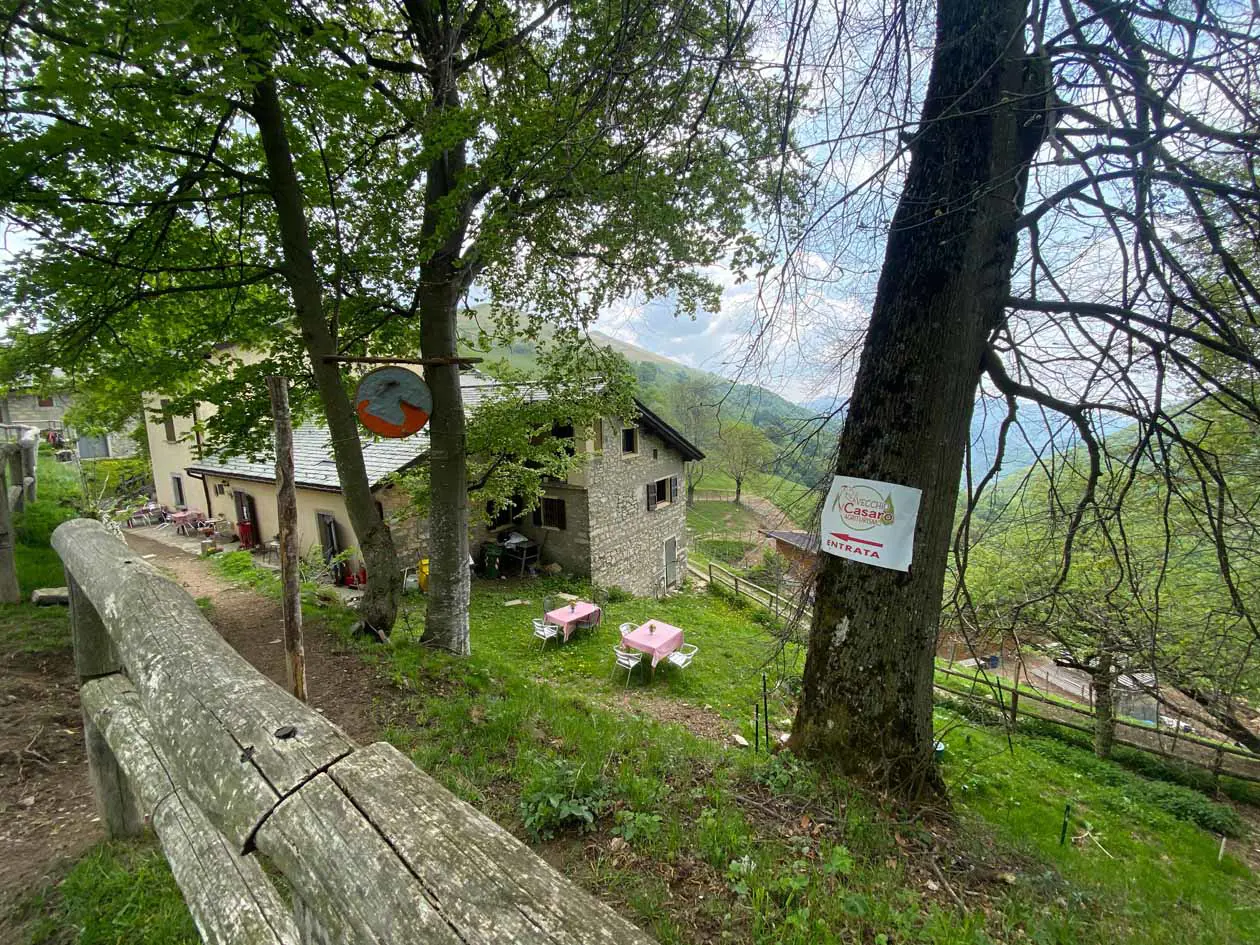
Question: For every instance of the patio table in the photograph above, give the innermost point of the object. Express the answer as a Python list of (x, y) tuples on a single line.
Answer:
[(184, 520), (655, 638), (569, 618)]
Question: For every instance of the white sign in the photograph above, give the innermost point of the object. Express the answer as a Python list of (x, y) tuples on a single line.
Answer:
[(870, 521)]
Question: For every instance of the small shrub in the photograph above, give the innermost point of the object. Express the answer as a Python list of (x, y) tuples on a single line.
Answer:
[(635, 826), (561, 795)]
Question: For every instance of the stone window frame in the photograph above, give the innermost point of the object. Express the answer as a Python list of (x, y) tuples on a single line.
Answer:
[(634, 431)]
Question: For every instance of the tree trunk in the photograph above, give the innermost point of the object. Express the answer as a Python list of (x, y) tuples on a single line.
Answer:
[(379, 606), (442, 277), (867, 697), (446, 617), (1104, 708), (739, 485)]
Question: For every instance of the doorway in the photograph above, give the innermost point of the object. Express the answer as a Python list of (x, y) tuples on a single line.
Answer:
[(671, 562), (177, 487), (246, 519)]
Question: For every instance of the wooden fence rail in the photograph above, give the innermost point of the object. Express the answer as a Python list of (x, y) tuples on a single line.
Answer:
[(183, 734), (782, 607)]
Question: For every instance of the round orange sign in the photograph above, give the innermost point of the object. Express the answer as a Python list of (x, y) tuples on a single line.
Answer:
[(393, 402)]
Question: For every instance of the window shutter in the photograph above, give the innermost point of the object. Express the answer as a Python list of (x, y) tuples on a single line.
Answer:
[(673, 488), (651, 496)]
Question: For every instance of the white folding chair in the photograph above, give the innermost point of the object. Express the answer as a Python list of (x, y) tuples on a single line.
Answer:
[(627, 660), (682, 656), (546, 631)]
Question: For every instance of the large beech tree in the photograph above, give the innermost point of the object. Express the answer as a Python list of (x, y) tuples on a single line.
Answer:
[(370, 163), (1073, 173)]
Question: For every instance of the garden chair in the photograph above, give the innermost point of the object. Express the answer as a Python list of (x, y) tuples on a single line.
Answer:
[(627, 660), (546, 631), (548, 605), (626, 629), (682, 656)]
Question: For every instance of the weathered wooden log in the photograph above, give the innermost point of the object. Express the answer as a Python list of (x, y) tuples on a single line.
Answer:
[(238, 741), (230, 897), (377, 851)]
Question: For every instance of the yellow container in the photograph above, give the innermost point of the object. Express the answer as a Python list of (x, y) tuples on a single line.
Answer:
[(423, 575)]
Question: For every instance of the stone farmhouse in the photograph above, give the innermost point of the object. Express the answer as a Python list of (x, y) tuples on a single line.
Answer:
[(619, 518)]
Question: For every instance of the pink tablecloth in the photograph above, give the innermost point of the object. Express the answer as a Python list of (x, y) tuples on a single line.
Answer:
[(654, 638), (569, 619)]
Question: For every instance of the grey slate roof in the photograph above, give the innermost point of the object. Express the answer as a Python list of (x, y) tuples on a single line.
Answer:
[(313, 465), (314, 468), (806, 541)]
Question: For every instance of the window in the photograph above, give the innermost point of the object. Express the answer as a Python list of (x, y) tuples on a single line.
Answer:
[(504, 516), (168, 420), (177, 487), (630, 440), (661, 492), (550, 514), (45, 401)]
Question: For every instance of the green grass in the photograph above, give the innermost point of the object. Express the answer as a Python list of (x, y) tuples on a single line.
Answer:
[(58, 499), (650, 815), (794, 500), (118, 894), (722, 519), (538, 738)]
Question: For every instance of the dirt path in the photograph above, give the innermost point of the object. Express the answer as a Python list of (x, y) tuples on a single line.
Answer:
[(342, 686), (47, 814)]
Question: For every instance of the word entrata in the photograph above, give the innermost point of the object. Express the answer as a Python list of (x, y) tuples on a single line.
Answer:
[(849, 544)]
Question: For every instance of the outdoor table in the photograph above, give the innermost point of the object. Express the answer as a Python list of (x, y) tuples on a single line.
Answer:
[(184, 520), (655, 638), (569, 617)]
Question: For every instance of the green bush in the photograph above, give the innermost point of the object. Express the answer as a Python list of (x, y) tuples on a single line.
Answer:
[(560, 795), (118, 478)]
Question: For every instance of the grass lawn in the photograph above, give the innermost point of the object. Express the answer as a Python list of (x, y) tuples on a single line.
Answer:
[(796, 501), (541, 739), (699, 840)]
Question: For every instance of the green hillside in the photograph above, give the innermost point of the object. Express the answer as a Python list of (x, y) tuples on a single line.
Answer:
[(802, 448)]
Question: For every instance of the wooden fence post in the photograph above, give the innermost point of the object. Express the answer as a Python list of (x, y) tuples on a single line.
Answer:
[(17, 476), (30, 460), (1015, 696), (95, 656), (10, 591), (286, 508)]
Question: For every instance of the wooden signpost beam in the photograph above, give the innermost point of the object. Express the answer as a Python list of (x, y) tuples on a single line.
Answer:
[(286, 505), (349, 359)]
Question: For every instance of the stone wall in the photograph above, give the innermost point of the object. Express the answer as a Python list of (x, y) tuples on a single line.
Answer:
[(569, 547), (627, 541)]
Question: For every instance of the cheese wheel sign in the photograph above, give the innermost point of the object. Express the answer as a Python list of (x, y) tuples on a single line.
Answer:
[(393, 402), (872, 522)]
